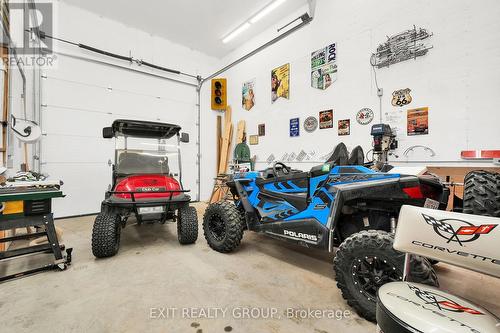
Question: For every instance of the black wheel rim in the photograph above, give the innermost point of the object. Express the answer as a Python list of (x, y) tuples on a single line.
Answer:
[(370, 273), (217, 227)]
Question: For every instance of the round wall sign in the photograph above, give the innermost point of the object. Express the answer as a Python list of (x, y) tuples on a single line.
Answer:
[(364, 116), (310, 124)]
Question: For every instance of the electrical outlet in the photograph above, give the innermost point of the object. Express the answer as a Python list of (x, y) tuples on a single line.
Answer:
[(380, 92)]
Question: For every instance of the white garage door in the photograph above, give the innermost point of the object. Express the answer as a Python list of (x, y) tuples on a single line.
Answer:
[(79, 99)]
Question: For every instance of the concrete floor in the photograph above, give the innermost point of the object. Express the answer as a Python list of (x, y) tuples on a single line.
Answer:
[(156, 285)]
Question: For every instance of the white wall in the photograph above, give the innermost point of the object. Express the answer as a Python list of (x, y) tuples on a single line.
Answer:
[(456, 80), (79, 98)]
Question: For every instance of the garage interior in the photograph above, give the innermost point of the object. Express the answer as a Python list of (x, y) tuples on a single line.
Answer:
[(220, 166)]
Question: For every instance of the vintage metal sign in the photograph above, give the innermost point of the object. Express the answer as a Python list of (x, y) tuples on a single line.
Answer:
[(294, 127), (401, 97), (311, 124), (364, 116), (418, 121), (248, 95), (345, 127), (280, 82), (324, 67), (326, 119)]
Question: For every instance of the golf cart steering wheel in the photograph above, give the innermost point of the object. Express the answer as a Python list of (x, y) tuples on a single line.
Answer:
[(286, 170)]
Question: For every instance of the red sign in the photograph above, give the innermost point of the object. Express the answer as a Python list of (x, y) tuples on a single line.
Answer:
[(479, 154)]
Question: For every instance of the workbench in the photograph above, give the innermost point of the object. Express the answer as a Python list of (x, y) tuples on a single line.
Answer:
[(28, 205)]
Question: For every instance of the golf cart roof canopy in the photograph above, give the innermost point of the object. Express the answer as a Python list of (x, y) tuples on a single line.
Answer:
[(142, 129)]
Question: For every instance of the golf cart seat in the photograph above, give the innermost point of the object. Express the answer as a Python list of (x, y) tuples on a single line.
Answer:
[(468, 241), (130, 163)]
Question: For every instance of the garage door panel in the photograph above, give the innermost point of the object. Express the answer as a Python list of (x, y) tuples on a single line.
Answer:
[(79, 103), (130, 104), (84, 186), (75, 149), (69, 94), (71, 122)]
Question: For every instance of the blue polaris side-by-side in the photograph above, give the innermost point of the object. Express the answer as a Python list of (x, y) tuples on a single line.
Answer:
[(340, 204)]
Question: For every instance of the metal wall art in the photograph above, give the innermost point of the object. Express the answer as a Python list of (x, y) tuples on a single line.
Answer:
[(403, 46)]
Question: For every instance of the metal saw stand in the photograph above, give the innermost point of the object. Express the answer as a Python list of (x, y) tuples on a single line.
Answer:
[(44, 223)]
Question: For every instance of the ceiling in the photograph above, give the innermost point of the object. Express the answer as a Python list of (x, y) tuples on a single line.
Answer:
[(197, 24)]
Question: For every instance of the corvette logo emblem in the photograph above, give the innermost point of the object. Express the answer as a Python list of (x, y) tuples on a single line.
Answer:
[(459, 231), (441, 302)]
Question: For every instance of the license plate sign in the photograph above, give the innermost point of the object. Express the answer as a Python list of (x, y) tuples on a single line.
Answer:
[(431, 204), (151, 210)]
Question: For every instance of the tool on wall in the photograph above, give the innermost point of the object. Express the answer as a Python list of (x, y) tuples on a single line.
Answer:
[(25, 130), (425, 148)]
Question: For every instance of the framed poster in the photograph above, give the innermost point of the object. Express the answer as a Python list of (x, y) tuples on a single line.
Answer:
[(294, 127), (345, 127), (254, 140), (280, 82), (326, 119), (262, 129), (248, 95), (418, 121), (324, 67)]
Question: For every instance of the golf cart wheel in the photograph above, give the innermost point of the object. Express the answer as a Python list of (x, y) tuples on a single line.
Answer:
[(187, 225), (482, 193), (106, 235), (367, 260), (223, 226)]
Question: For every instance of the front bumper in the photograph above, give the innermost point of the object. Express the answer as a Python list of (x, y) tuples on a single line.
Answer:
[(171, 202)]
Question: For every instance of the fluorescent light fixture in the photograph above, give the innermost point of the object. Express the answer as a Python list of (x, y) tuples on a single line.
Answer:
[(272, 6), (236, 32)]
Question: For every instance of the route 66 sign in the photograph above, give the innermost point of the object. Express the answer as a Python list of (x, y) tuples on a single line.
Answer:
[(364, 116), (401, 97)]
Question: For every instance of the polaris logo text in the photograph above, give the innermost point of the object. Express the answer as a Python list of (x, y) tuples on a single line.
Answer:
[(300, 235)]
